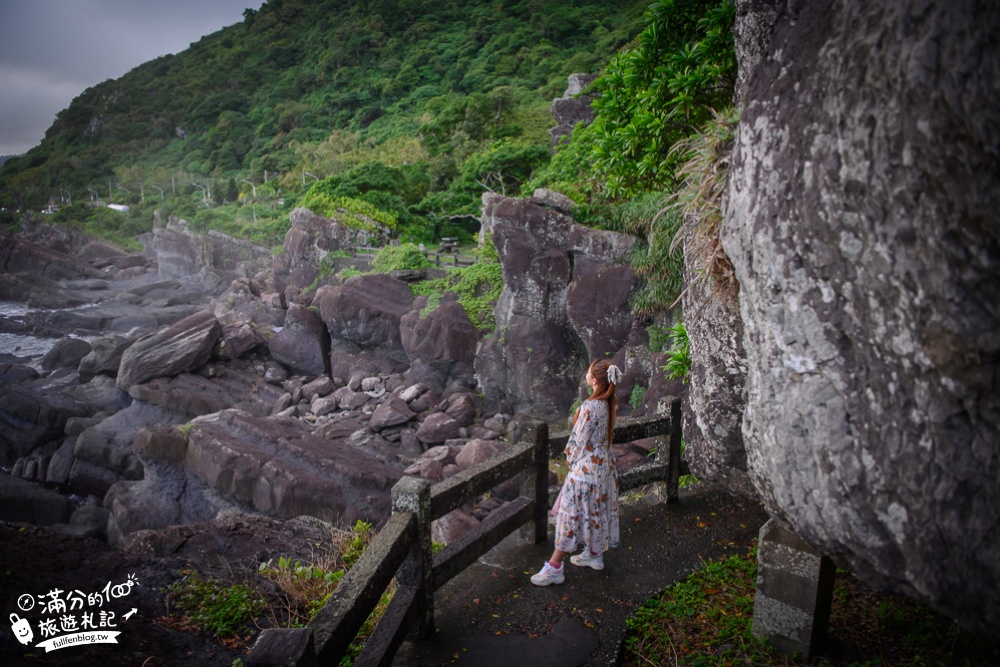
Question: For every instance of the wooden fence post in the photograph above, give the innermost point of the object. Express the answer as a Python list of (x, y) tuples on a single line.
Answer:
[(668, 450), (674, 456), (413, 494), (535, 484)]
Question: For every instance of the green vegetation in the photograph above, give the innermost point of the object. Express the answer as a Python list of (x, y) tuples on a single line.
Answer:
[(626, 169), (414, 108), (288, 593), (477, 287), (400, 114), (305, 587), (213, 604), (678, 364), (699, 199), (706, 620), (635, 398), (399, 258)]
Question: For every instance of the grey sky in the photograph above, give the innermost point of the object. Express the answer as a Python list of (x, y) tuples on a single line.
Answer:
[(53, 50)]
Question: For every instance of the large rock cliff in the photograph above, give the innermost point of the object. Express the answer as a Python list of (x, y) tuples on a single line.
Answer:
[(862, 225), (564, 303)]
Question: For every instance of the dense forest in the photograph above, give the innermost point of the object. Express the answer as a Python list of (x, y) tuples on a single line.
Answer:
[(405, 108)]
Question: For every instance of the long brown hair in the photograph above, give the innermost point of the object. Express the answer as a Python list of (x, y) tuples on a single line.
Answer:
[(604, 391)]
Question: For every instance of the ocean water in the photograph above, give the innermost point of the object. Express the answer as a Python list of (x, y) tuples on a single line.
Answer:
[(22, 346)]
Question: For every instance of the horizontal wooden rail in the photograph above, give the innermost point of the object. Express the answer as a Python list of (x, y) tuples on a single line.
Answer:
[(403, 546), (465, 551), (455, 491)]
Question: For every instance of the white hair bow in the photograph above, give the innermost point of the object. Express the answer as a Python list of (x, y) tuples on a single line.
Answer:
[(614, 374)]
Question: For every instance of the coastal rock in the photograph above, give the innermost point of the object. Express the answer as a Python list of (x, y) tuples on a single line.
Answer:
[(477, 451), (192, 395), (23, 501), (570, 109), (862, 227), (66, 353), (105, 356), (437, 428), (18, 256), (441, 346), (365, 312), (303, 345), (278, 467), (207, 263), (393, 412), (461, 407), (32, 417), (180, 347), (543, 253), (313, 237)]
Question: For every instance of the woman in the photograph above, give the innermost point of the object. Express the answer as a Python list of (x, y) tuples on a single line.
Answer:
[(588, 503)]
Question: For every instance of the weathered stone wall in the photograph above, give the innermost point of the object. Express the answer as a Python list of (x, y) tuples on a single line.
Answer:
[(862, 224)]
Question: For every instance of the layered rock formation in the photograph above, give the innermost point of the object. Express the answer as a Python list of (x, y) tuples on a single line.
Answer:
[(206, 262), (862, 226)]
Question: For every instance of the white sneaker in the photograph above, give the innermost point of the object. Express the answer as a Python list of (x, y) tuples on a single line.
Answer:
[(587, 559), (548, 575)]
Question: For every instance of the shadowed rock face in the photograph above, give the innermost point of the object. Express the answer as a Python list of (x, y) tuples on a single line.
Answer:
[(561, 306), (207, 263), (183, 346), (280, 468), (862, 224)]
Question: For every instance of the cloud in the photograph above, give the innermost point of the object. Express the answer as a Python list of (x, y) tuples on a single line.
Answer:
[(52, 50)]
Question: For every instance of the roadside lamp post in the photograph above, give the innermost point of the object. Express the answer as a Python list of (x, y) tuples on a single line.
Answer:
[(253, 204), (204, 194)]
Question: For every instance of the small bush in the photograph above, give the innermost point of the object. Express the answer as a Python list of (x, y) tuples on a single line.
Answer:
[(679, 360), (401, 257), (359, 213), (213, 604), (477, 288)]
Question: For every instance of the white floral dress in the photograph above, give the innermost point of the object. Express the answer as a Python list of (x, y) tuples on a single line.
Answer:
[(588, 504)]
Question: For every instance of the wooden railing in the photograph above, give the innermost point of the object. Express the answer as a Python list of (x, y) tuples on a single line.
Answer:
[(444, 254), (402, 549)]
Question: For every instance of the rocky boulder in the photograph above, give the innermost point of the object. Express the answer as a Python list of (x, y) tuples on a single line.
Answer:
[(278, 467), (105, 356), (181, 347), (32, 415), (247, 317), (205, 262), (364, 314), (24, 502), (303, 344), (66, 353), (313, 237), (863, 230), (194, 395), (572, 108), (536, 357), (441, 346), (24, 257)]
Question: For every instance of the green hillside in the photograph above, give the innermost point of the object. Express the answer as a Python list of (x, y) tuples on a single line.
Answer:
[(409, 106), (319, 87)]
